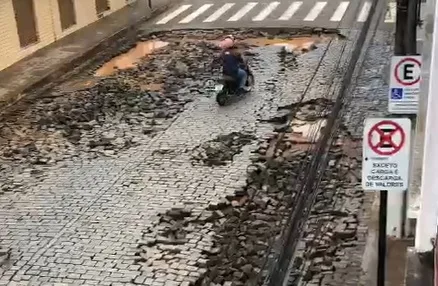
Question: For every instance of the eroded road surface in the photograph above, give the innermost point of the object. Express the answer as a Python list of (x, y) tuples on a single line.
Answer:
[(130, 173)]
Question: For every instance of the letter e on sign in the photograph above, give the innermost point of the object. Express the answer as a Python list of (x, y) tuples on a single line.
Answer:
[(408, 71)]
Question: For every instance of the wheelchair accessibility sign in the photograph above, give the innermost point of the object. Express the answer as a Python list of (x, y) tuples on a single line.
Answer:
[(404, 86), (396, 93)]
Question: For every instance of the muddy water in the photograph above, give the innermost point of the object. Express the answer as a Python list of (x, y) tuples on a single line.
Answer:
[(294, 44), (130, 58)]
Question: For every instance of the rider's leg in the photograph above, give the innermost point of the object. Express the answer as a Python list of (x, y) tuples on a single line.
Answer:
[(241, 77)]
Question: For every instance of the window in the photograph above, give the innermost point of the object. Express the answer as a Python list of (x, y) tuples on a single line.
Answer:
[(102, 6), (26, 22), (67, 13)]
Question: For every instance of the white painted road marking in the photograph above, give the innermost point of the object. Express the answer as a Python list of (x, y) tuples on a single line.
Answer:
[(316, 10), (219, 12), (294, 11), (195, 14), (340, 11), (174, 14), (265, 12), (242, 12), (363, 15), (293, 8)]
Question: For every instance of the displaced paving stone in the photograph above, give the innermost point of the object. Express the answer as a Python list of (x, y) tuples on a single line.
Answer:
[(222, 149), (244, 227), (140, 138)]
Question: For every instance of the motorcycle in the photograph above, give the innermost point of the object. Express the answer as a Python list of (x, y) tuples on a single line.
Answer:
[(230, 88)]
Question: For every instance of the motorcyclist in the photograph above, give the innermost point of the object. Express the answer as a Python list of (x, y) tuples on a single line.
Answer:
[(233, 62)]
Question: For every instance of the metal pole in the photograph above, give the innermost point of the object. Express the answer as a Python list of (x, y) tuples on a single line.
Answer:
[(411, 28), (381, 267), (400, 27), (405, 44)]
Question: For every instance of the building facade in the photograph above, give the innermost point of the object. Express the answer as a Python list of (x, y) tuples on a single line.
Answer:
[(29, 25)]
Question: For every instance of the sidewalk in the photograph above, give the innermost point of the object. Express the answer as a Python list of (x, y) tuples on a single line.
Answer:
[(51, 62), (418, 271), (414, 194)]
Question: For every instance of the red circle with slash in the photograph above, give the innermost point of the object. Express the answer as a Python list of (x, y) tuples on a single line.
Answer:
[(386, 138)]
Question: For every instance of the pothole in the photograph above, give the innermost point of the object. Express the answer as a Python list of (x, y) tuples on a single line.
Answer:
[(307, 131), (221, 150), (301, 125), (296, 44), (130, 58)]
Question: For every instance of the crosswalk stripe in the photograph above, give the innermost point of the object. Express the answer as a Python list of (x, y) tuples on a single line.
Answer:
[(174, 14), (340, 11), (265, 12), (315, 11), (295, 11), (391, 13), (291, 10), (363, 15), (242, 12), (219, 12), (195, 14)]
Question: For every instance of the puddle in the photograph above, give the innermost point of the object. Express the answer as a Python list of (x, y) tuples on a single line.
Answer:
[(130, 58), (303, 44)]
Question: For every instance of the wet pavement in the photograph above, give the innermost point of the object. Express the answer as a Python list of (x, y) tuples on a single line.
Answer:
[(137, 177)]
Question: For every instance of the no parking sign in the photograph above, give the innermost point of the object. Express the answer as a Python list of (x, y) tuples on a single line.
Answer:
[(404, 86), (386, 148)]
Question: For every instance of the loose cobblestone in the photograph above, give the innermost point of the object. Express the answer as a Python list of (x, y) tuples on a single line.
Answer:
[(331, 251), (82, 222)]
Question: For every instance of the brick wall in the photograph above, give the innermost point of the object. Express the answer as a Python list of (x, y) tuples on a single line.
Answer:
[(48, 26)]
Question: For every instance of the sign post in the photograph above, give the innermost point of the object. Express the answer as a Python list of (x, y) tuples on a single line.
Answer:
[(381, 262), (404, 84), (385, 167)]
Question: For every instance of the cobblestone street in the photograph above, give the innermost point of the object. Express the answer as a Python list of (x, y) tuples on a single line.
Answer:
[(82, 221), (93, 176)]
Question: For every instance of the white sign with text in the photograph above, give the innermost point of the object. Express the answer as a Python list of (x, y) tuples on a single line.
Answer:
[(386, 148), (404, 84)]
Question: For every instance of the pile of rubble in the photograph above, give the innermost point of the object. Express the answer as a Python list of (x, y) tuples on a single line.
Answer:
[(335, 230), (89, 116), (229, 241), (222, 149)]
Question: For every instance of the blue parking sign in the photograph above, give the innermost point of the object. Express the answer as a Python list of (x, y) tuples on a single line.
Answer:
[(396, 93)]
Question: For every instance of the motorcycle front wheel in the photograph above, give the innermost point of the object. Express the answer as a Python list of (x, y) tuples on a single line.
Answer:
[(221, 98)]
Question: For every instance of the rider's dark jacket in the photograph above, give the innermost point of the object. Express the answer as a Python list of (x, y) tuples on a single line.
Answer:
[(231, 62)]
